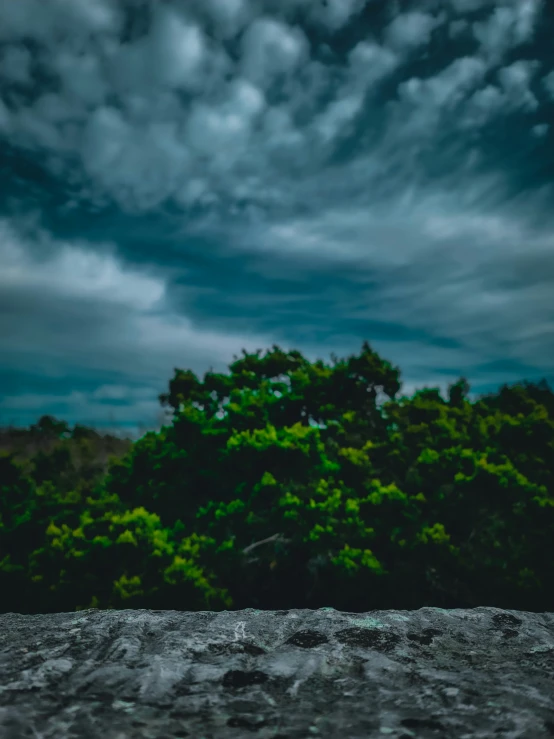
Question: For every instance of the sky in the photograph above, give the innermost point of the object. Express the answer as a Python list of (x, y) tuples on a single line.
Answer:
[(183, 180)]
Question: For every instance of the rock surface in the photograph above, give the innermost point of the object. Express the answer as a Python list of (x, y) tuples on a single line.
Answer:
[(483, 672)]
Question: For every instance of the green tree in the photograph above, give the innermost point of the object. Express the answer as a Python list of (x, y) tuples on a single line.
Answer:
[(285, 483)]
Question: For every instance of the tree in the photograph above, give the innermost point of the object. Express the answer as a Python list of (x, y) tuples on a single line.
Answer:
[(285, 484)]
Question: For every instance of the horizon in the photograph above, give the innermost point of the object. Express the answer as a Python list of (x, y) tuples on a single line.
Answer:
[(135, 432)]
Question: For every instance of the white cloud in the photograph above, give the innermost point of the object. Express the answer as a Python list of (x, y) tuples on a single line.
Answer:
[(271, 48), (483, 105), (436, 264), (508, 27), (333, 14), (84, 309), (159, 118), (369, 63), (410, 30), (221, 132), (176, 114), (229, 16), (173, 55), (279, 131), (424, 103), (75, 271), (144, 165), (172, 115), (540, 130), (446, 88), (514, 94), (176, 49), (515, 80), (336, 117)]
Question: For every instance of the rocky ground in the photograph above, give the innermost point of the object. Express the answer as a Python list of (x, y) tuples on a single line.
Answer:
[(480, 672)]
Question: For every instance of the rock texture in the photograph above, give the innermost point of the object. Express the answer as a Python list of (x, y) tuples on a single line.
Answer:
[(292, 674)]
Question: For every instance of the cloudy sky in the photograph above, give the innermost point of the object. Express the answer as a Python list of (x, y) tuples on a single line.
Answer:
[(181, 180)]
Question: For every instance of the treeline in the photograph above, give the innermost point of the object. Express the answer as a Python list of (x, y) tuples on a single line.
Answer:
[(288, 484)]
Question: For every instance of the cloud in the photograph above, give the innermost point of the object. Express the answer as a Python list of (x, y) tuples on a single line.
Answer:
[(516, 79), (228, 173), (171, 56), (74, 272), (172, 114), (15, 64), (85, 311), (410, 30), (458, 27), (334, 14), (512, 95), (424, 104), (142, 165), (483, 105), (508, 27), (81, 76), (223, 133), (458, 267), (32, 19), (548, 82), (540, 130), (271, 48), (176, 50), (368, 64), (446, 88), (229, 16)]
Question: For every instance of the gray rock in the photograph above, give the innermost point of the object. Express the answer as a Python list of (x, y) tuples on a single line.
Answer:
[(480, 672)]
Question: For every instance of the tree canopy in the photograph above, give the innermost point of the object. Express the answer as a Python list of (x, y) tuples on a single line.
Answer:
[(287, 483)]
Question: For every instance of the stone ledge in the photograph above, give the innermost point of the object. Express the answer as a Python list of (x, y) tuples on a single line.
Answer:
[(482, 672)]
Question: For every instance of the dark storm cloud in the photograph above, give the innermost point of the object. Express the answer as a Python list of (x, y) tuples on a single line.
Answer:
[(188, 179)]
